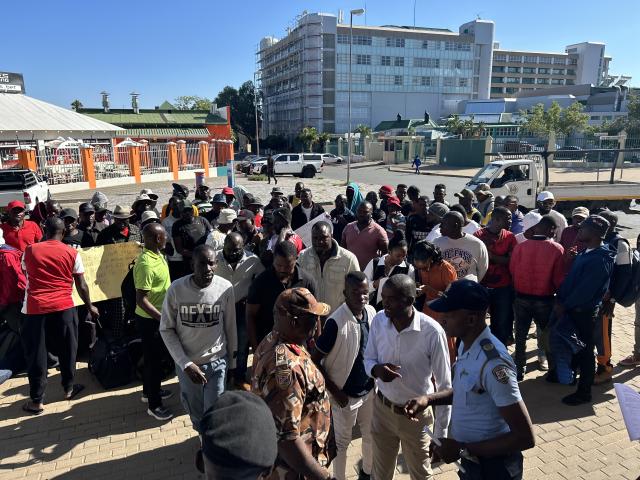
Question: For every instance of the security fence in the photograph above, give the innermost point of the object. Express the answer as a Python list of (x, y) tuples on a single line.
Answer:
[(60, 165)]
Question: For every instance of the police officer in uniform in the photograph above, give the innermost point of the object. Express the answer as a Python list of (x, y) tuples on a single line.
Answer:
[(490, 425), (294, 389)]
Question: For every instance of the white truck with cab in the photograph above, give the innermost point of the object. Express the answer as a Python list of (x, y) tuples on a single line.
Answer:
[(24, 185), (304, 165), (527, 175)]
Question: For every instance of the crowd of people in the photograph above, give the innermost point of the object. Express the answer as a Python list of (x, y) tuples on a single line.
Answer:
[(378, 319)]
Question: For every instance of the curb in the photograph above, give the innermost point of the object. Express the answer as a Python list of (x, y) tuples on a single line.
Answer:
[(356, 166), (434, 174)]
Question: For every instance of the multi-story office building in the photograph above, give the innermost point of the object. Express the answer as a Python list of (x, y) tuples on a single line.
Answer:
[(518, 71), (304, 77)]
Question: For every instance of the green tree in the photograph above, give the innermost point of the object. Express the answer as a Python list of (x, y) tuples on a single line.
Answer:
[(630, 123), (275, 142), (242, 103), (363, 130), (466, 128), (539, 121), (309, 136), (76, 105), (192, 102), (454, 125), (323, 138)]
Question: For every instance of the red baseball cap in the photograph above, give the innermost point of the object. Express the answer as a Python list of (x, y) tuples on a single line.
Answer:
[(386, 190), (16, 204), (227, 191), (393, 200)]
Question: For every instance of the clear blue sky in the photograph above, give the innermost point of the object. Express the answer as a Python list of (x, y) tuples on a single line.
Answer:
[(70, 49)]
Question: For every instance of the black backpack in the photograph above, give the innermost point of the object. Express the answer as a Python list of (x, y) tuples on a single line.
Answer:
[(111, 362), (128, 290), (632, 292)]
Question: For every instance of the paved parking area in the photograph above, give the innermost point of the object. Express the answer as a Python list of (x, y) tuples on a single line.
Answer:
[(107, 434)]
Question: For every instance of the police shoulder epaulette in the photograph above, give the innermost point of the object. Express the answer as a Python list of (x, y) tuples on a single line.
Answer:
[(489, 349)]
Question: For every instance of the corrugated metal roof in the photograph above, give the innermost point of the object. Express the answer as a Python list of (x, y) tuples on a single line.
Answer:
[(154, 118), (22, 113), (164, 132)]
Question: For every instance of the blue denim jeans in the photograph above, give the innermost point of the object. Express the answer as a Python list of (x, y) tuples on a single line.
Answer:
[(243, 342), (501, 312), (196, 399)]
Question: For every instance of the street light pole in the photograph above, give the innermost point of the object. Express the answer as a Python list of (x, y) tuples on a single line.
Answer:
[(255, 102), (357, 11)]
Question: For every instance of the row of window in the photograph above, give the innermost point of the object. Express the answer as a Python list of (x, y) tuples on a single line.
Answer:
[(531, 81), (418, 62), (425, 81), (502, 57), (544, 71), (399, 42)]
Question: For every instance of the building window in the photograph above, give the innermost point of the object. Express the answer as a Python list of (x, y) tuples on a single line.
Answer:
[(513, 69), (343, 58), (497, 79), (342, 38), (397, 79), (496, 89), (530, 59), (398, 62), (500, 57), (595, 117), (528, 81), (557, 71), (570, 71), (395, 42), (546, 60), (542, 81), (363, 59), (431, 44), (511, 90), (463, 82), (513, 80), (528, 70), (559, 61), (449, 82), (557, 81), (385, 61), (426, 62), (457, 46), (543, 71), (573, 61), (361, 40), (497, 69), (422, 81), (515, 58), (569, 82)]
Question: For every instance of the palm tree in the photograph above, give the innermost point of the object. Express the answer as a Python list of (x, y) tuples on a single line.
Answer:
[(363, 130), (323, 138), (309, 136), (76, 104)]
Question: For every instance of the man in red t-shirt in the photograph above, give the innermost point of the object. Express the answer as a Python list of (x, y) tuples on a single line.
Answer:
[(52, 268), (500, 242), (18, 232)]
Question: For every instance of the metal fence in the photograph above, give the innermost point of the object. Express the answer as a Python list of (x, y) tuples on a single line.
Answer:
[(190, 158), (154, 158), (61, 165), (109, 163)]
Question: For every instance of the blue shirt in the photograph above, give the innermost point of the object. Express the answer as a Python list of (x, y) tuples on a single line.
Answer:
[(480, 387)]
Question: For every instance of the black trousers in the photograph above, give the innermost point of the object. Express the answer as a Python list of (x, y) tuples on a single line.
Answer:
[(585, 321), (153, 351), (271, 174), (57, 331), (508, 467)]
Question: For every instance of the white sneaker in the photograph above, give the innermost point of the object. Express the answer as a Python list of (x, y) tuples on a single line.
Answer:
[(160, 413)]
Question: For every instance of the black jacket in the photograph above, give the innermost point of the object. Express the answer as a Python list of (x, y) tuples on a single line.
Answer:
[(298, 218), (112, 234)]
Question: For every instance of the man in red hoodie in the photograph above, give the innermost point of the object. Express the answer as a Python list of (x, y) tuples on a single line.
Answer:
[(537, 269)]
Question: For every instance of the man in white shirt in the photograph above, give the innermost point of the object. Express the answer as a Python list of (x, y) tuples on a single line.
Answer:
[(545, 201), (466, 253), (405, 350)]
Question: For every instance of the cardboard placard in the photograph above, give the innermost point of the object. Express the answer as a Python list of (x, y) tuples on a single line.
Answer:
[(304, 232)]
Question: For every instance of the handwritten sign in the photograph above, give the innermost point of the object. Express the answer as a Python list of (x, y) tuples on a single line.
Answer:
[(104, 269), (304, 232)]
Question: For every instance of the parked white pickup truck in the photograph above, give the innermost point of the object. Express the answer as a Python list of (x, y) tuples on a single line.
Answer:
[(24, 185), (526, 176), (298, 164)]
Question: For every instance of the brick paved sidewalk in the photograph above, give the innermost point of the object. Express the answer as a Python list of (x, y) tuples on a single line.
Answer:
[(107, 434)]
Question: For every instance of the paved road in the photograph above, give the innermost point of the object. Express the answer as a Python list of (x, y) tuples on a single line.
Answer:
[(629, 223)]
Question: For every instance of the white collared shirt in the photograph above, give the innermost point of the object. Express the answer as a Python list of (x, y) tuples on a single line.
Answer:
[(421, 352)]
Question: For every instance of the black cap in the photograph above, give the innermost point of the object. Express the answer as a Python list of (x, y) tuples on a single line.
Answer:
[(598, 224), (86, 207), (219, 198), (239, 430), (68, 213), (180, 190), (462, 294), (283, 212)]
